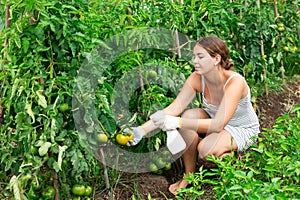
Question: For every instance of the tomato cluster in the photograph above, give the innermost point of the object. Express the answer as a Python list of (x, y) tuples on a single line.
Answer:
[(161, 163), (81, 190)]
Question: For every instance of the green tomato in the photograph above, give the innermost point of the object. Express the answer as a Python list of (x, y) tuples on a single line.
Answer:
[(281, 28), (160, 162), (160, 171), (151, 74), (152, 167), (78, 189), (167, 155), (187, 67), (64, 107), (88, 190), (190, 28), (102, 137), (48, 193), (185, 31), (294, 49), (168, 166)]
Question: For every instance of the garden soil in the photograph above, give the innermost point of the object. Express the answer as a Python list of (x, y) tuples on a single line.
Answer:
[(268, 107)]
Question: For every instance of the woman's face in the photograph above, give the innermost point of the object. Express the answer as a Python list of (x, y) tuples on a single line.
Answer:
[(203, 62)]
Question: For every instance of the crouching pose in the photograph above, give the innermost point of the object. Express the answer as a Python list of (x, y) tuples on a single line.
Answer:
[(226, 122)]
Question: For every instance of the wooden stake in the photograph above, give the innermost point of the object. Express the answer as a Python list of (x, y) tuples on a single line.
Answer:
[(275, 10), (262, 51), (55, 185), (177, 43), (105, 169), (275, 18), (7, 15), (7, 20)]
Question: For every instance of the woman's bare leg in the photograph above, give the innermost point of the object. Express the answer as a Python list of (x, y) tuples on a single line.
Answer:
[(190, 155), (189, 160), (217, 144)]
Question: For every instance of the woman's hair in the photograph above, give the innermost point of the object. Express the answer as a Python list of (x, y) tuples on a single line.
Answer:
[(214, 45)]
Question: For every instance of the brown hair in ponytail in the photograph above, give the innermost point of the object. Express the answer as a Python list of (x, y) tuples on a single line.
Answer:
[(214, 45)]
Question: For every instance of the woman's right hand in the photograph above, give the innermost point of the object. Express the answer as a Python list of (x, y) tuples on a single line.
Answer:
[(138, 135)]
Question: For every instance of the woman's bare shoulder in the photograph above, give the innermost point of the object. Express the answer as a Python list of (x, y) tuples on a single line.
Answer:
[(195, 81), (238, 83)]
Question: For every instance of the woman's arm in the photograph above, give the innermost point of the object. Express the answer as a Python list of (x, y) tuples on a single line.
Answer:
[(233, 93), (185, 96), (183, 99)]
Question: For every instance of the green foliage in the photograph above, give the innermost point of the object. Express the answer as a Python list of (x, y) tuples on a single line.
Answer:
[(270, 170), (38, 65)]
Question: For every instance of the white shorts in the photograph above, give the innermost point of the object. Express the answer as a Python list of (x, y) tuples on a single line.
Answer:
[(244, 137)]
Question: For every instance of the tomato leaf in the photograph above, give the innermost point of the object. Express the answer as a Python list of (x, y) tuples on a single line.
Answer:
[(60, 155), (42, 100), (29, 110), (13, 184), (44, 148), (25, 44)]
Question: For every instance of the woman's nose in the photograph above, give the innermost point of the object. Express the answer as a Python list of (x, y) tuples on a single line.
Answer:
[(195, 60)]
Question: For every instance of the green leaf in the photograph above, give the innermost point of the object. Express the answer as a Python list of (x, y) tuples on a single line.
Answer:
[(236, 187), (73, 48), (25, 44), (41, 49), (42, 100), (14, 185), (240, 174), (29, 110), (18, 41), (14, 88), (269, 154), (284, 147), (43, 150), (157, 143), (57, 165)]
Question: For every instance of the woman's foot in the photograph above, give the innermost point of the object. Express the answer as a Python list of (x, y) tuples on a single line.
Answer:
[(178, 185)]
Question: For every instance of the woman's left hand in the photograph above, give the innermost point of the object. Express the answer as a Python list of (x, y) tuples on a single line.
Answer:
[(167, 122)]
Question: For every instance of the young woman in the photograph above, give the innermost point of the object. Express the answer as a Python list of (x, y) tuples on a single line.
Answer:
[(227, 120)]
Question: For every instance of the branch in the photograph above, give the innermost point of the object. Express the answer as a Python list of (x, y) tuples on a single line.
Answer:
[(276, 10), (7, 20)]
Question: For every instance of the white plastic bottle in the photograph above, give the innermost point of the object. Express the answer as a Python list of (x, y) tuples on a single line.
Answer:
[(175, 142)]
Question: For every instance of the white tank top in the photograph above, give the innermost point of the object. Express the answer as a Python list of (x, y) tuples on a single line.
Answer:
[(244, 116)]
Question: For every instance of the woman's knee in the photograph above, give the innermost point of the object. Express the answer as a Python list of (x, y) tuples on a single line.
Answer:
[(208, 147), (195, 113)]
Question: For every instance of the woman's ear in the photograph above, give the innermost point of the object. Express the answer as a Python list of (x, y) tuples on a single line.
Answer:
[(217, 59)]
